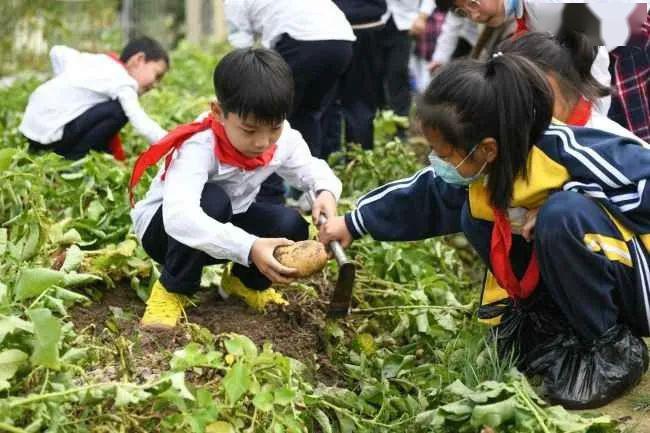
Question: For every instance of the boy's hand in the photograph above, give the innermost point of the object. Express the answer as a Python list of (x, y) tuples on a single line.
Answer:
[(262, 257), (335, 230), (324, 204)]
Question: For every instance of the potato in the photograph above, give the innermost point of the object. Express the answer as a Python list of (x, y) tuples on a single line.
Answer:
[(307, 257)]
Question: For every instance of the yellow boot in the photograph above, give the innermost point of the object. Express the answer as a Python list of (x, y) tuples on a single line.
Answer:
[(256, 299), (164, 309)]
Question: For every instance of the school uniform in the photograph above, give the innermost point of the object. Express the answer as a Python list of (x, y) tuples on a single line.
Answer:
[(201, 208), (357, 95), (84, 106), (395, 43), (589, 256), (455, 30)]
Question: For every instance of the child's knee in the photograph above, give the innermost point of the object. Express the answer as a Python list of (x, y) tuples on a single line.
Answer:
[(216, 203), (294, 226), (563, 214)]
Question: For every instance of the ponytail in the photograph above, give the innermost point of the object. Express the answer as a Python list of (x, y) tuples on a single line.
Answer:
[(506, 98), (568, 57)]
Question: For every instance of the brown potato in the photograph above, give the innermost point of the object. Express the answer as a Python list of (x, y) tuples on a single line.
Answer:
[(307, 257)]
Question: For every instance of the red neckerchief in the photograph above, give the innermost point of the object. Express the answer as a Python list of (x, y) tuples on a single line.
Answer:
[(115, 144), (223, 149), (500, 245), (581, 113), (522, 25)]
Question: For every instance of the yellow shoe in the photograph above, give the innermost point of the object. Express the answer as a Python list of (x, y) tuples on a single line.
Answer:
[(164, 309), (256, 299)]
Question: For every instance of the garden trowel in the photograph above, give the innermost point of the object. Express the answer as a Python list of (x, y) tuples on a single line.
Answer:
[(342, 295)]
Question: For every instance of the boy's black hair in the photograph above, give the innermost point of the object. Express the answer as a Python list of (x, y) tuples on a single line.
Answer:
[(568, 57), (445, 5), (506, 98), (254, 82), (152, 50)]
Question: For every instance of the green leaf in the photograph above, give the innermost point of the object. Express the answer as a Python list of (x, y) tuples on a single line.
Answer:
[(322, 420), (9, 324), (73, 258), (3, 241), (263, 401), (494, 414), (34, 281), (47, 335), (241, 345), (220, 427), (6, 156), (10, 361), (236, 381), (178, 383), (422, 322), (124, 397), (95, 210), (284, 396)]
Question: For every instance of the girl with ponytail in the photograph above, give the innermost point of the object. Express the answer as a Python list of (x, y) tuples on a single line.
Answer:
[(566, 60), (559, 215)]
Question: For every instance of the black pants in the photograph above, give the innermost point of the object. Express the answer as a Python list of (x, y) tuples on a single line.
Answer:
[(586, 267), (182, 265), (316, 68), (358, 95), (395, 50), (92, 130)]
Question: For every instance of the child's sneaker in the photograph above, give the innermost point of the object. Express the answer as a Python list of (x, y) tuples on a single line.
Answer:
[(256, 299), (164, 309)]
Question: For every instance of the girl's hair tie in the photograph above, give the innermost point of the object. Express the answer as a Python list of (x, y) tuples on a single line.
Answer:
[(497, 54)]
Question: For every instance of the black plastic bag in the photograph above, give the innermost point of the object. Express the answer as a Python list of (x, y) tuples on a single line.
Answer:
[(585, 376), (575, 374), (526, 325)]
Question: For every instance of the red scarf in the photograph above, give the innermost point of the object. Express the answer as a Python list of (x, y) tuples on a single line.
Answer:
[(522, 25), (115, 144), (581, 113), (223, 150), (500, 246)]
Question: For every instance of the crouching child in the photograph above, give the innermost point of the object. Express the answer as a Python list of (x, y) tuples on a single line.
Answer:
[(201, 208), (92, 97)]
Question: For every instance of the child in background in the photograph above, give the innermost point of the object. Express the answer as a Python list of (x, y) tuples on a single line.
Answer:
[(578, 286), (631, 68), (547, 16), (315, 39), (567, 61), (201, 208), (425, 46), (92, 97)]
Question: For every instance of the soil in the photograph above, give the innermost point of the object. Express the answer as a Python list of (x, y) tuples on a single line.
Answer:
[(294, 330)]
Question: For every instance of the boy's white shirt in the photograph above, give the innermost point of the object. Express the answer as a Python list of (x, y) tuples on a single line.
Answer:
[(453, 28), (81, 81), (195, 164), (404, 12), (312, 20)]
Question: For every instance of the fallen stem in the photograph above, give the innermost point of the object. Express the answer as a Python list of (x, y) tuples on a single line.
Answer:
[(404, 307)]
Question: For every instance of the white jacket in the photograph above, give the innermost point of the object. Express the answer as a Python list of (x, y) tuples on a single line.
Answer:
[(195, 164), (303, 20), (81, 81)]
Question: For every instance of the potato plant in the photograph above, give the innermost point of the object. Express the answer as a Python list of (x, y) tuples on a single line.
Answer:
[(410, 358)]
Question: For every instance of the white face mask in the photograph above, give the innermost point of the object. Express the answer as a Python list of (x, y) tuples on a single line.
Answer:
[(449, 173)]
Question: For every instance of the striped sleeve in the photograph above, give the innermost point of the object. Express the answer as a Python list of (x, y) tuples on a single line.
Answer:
[(417, 207), (606, 167)]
